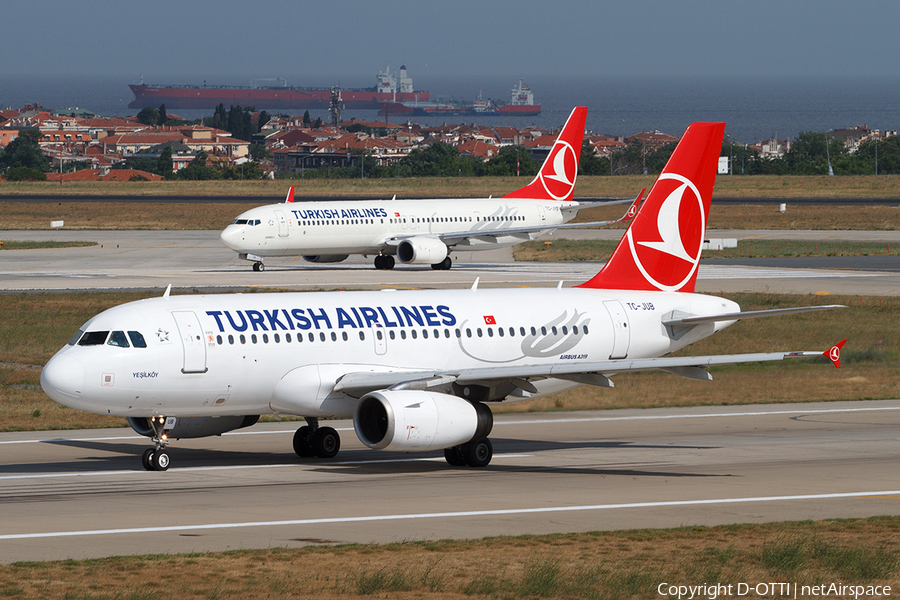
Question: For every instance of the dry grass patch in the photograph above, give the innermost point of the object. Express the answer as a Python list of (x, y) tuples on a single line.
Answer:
[(759, 186), (621, 564)]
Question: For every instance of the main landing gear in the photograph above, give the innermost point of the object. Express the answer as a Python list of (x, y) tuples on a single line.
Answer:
[(384, 262), (157, 459), (477, 453), (444, 265), (312, 440)]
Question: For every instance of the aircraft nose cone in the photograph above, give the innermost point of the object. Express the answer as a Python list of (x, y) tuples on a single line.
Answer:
[(231, 236), (63, 378)]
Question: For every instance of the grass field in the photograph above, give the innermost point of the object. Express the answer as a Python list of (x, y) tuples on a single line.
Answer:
[(601, 250), (609, 565), (214, 215), (735, 186)]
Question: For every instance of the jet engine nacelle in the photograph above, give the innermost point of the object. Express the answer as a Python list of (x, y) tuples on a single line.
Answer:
[(416, 420), (195, 427), (326, 258), (421, 250)]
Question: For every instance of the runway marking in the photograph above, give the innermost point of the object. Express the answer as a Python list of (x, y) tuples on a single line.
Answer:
[(443, 515), (241, 467), (521, 422)]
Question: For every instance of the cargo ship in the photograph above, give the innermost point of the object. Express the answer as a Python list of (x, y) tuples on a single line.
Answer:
[(522, 105), (389, 87)]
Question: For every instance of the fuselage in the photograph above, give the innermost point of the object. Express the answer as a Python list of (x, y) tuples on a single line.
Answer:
[(238, 354), (365, 227)]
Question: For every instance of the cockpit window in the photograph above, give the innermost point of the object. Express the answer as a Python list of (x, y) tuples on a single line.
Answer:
[(137, 340), (239, 222), (93, 338), (117, 338), (75, 337)]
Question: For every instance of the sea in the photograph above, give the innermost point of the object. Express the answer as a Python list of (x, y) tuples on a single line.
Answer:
[(754, 108)]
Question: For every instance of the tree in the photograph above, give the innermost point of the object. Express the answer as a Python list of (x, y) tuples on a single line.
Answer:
[(259, 152), (25, 151), (148, 116), (25, 174), (591, 164), (264, 118), (164, 163), (507, 160), (162, 118), (306, 120)]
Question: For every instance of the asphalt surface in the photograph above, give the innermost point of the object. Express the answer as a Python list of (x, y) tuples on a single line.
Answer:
[(84, 494)]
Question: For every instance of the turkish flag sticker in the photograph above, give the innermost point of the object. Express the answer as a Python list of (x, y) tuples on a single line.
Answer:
[(489, 320)]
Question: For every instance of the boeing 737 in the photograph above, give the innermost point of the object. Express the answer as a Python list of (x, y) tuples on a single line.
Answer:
[(418, 232), (416, 370)]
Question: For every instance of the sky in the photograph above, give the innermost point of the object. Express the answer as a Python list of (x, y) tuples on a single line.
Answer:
[(190, 40)]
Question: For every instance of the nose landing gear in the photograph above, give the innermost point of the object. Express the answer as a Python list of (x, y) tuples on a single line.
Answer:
[(157, 459)]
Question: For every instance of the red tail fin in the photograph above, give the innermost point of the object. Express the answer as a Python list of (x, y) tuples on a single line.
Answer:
[(556, 179), (834, 353), (661, 248)]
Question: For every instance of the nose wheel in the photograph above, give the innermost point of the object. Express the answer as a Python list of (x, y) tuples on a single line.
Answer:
[(259, 266), (157, 459)]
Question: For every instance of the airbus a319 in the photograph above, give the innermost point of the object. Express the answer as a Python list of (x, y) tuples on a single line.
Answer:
[(419, 232), (416, 370)]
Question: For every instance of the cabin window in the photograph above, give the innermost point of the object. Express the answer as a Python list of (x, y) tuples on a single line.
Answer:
[(378, 334), (490, 332), (575, 329), (499, 331), (478, 331), (243, 339), (312, 337), (458, 333), (117, 338), (219, 340), (362, 336), (424, 334), (137, 340), (344, 335), (402, 334), (522, 331), (585, 329), (253, 338), (94, 338), (553, 329), (333, 336), (437, 334), (277, 338), (265, 338), (231, 339), (413, 334), (512, 332), (322, 336), (565, 330), (468, 332), (447, 333), (543, 330), (287, 338), (391, 334)]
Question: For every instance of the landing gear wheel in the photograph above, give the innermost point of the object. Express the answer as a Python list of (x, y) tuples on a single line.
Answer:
[(302, 445), (160, 460), (444, 265), (325, 442), (478, 453), (455, 456), (384, 262), (258, 266), (147, 459)]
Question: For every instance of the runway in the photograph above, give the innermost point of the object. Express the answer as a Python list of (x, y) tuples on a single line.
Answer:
[(83, 494), (132, 260)]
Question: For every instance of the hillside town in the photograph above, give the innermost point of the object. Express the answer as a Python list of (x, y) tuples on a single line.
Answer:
[(81, 146)]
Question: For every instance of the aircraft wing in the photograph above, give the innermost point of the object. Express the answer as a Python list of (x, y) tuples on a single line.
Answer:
[(590, 373)]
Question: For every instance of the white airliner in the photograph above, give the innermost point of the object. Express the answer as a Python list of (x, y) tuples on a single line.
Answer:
[(419, 232), (416, 370)]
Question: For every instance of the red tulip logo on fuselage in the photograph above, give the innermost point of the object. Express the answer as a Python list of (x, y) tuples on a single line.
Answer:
[(564, 163), (669, 259)]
